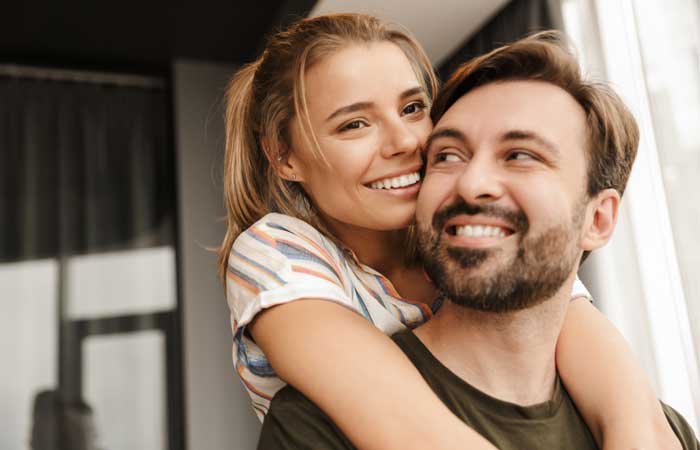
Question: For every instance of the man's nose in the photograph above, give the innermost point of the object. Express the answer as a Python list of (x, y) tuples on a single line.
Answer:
[(481, 181), (399, 139)]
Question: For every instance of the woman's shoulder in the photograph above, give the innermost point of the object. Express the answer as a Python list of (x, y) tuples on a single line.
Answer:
[(281, 226), (281, 235), (280, 258), (285, 224)]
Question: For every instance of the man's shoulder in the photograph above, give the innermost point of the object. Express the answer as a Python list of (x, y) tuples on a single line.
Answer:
[(409, 343), (295, 422), (682, 429)]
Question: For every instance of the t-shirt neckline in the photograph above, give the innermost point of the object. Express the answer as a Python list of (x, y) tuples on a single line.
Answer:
[(415, 348)]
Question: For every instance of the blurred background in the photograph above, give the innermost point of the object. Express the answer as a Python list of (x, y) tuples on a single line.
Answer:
[(114, 331)]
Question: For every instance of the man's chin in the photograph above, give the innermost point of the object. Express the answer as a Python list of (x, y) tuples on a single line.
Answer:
[(495, 292), (490, 280), (477, 261)]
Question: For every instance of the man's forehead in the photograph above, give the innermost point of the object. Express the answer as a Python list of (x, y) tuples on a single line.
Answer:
[(499, 108)]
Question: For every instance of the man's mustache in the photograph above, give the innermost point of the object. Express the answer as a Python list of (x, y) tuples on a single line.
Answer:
[(516, 219)]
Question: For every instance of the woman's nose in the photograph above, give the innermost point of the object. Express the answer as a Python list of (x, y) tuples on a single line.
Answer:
[(400, 139)]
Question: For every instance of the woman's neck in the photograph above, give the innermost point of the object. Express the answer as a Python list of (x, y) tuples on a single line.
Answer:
[(383, 251)]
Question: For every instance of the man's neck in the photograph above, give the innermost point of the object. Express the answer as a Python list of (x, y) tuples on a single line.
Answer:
[(509, 356)]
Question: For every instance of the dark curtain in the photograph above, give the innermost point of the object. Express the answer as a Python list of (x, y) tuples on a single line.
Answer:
[(87, 167), (517, 19), (84, 167)]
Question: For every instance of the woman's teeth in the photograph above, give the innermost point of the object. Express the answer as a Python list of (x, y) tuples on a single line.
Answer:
[(396, 182), (479, 231)]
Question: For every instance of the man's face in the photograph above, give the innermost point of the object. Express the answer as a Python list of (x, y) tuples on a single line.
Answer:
[(503, 199)]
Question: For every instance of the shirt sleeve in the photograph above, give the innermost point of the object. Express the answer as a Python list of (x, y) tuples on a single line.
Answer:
[(681, 428), (296, 423), (278, 260)]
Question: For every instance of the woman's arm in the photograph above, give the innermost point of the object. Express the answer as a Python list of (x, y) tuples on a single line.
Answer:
[(607, 384), (359, 377)]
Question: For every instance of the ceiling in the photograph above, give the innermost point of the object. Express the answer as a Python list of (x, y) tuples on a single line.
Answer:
[(149, 35), (440, 26)]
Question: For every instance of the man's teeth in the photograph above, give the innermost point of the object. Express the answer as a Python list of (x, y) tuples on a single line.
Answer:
[(396, 182), (479, 231)]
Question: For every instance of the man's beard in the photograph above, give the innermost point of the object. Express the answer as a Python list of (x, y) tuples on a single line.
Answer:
[(539, 268)]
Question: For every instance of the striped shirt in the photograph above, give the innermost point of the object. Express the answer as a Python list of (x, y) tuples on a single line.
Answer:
[(280, 259)]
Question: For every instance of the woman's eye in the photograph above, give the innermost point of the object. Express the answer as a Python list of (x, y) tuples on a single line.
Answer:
[(354, 125), (414, 107)]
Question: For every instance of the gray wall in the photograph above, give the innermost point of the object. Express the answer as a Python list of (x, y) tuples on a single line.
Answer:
[(218, 413)]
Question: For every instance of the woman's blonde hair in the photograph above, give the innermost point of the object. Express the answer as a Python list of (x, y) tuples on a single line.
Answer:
[(266, 95)]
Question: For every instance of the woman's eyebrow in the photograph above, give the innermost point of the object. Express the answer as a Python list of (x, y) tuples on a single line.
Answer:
[(411, 92), (350, 109), (358, 106)]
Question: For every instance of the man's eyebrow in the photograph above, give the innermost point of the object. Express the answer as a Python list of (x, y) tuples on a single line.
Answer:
[(524, 135), (445, 133), (366, 105)]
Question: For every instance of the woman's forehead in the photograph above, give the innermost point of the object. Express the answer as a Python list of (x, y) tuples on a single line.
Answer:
[(359, 73)]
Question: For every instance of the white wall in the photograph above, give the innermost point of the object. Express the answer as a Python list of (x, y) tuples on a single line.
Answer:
[(218, 413)]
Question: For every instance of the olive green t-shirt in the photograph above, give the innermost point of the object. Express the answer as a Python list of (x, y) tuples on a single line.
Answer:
[(294, 422)]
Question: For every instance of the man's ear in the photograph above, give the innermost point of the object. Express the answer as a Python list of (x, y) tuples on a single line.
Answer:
[(285, 162), (601, 218)]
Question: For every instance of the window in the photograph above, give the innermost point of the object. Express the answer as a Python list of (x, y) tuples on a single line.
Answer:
[(646, 280)]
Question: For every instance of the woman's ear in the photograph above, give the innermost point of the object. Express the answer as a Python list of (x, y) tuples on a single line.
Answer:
[(284, 162), (600, 219)]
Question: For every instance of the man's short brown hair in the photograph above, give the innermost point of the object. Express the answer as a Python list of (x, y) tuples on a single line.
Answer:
[(613, 135)]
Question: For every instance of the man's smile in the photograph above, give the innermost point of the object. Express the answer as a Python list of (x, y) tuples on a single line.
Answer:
[(477, 231)]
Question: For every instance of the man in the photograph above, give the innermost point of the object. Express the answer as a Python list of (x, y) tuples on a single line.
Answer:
[(524, 173)]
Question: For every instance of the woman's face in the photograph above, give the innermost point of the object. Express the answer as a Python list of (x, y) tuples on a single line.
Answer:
[(369, 114)]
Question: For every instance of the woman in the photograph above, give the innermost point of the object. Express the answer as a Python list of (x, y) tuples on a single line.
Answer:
[(324, 133)]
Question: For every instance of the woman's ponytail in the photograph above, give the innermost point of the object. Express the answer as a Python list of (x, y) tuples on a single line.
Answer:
[(243, 160)]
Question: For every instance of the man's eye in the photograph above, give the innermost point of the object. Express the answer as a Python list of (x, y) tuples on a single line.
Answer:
[(446, 157), (354, 125), (519, 156), (414, 107)]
